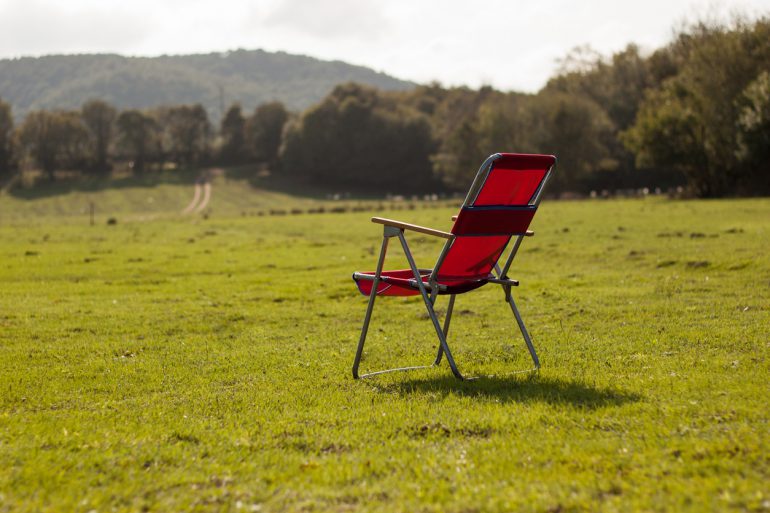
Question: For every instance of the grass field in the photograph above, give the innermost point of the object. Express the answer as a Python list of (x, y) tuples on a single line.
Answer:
[(170, 363)]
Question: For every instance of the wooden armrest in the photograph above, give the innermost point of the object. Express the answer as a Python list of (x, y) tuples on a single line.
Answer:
[(412, 227)]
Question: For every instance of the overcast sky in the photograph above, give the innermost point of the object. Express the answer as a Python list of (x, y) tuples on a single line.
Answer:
[(509, 44)]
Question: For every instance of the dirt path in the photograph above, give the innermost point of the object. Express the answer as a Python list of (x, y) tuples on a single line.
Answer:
[(195, 199), (206, 197), (202, 188)]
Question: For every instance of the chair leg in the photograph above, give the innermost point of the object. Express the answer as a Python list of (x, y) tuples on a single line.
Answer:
[(429, 307), (370, 307), (524, 332), (447, 320)]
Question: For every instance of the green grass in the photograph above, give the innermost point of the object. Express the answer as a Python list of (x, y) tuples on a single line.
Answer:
[(191, 364)]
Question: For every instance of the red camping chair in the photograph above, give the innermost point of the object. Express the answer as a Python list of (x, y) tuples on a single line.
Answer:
[(499, 207)]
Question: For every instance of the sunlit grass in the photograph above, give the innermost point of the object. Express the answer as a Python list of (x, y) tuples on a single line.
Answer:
[(191, 364)]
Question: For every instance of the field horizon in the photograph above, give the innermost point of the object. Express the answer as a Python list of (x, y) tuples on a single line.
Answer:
[(235, 192)]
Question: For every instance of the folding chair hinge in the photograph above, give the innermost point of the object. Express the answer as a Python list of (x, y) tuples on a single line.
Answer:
[(391, 231)]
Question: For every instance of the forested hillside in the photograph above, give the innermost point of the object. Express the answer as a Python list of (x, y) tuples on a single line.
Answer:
[(246, 77)]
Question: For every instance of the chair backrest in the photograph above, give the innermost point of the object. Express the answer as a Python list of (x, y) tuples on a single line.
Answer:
[(500, 204)]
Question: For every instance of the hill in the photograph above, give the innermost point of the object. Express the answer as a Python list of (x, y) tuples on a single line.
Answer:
[(250, 77)]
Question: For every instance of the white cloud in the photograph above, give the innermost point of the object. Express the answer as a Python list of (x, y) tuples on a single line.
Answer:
[(35, 27), (341, 19)]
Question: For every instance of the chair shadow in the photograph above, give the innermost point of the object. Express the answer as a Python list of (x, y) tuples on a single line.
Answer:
[(519, 388)]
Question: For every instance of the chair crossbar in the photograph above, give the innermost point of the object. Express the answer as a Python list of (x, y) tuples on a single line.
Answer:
[(504, 281), (493, 220)]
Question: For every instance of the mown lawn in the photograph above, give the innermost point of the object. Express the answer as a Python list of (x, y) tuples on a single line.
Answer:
[(191, 364)]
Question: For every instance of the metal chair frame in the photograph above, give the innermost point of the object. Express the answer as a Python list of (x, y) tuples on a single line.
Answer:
[(429, 290)]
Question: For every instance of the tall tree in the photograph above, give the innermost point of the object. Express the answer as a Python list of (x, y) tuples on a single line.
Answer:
[(460, 154), (233, 132), (616, 85), (99, 118), (188, 130), (6, 140), (575, 128), (692, 122), (454, 124), (754, 135), (137, 135), (358, 137), (55, 140), (264, 131)]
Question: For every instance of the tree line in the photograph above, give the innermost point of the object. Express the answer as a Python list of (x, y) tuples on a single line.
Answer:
[(91, 140), (695, 112)]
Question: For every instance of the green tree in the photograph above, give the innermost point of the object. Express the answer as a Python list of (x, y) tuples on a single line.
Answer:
[(264, 132), (55, 140), (617, 86), (575, 128), (188, 130), (507, 123), (358, 137), (754, 134), (137, 138), (99, 117), (668, 134), (692, 122), (460, 155), (233, 133), (455, 125), (6, 140)]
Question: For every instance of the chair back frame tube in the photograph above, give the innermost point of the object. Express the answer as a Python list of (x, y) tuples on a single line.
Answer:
[(539, 192)]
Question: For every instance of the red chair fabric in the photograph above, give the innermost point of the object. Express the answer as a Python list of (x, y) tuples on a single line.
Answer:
[(514, 179)]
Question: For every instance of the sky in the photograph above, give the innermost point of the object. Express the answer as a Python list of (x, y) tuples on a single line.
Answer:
[(508, 44)]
